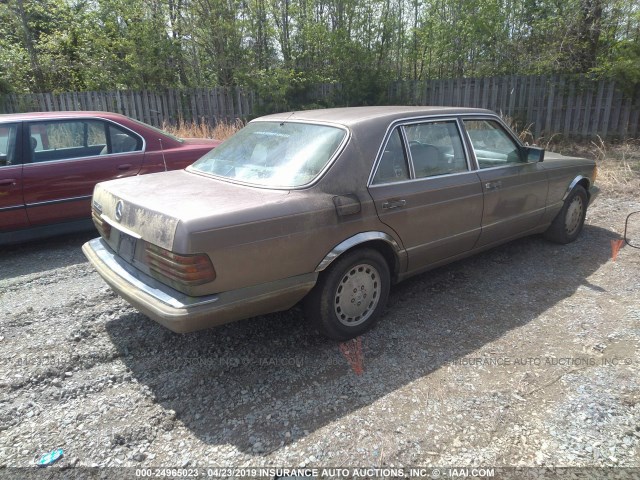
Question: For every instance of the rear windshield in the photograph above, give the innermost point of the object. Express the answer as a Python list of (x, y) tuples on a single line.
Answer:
[(275, 154)]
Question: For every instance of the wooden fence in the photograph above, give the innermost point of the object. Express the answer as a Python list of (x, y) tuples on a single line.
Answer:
[(170, 106), (570, 105), (575, 106)]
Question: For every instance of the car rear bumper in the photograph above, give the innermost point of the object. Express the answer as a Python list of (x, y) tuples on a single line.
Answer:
[(182, 313)]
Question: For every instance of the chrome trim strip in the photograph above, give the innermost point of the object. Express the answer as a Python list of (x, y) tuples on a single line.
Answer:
[(13, 207), (506, 165), (120, 228), (61, 200), (573, 184), (422, 179), (352, 242), (74, 159)]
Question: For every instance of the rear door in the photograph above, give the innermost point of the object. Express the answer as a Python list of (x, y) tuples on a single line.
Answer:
[(67, 158), (515, 191), (423, 188), (13, 214)]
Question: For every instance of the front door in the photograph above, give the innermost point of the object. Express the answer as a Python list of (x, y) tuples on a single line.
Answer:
[(515, 191)]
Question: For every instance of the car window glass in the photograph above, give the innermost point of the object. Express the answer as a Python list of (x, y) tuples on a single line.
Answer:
[(492, 145), (436, 148), (8, 142), (61, 140), (393, 164), (121, 141), (276, 154)]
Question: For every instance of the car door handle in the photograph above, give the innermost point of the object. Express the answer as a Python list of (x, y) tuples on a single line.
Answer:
[(9, 182), (394, 204), (124, 166), (493, 185)]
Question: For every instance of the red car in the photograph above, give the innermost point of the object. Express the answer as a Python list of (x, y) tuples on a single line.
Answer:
[(50, 162)]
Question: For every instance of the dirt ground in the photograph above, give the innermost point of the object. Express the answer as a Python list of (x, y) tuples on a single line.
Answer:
[(527, 355)]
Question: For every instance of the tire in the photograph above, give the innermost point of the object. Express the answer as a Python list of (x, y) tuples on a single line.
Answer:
[(350, 295), (567, 225)]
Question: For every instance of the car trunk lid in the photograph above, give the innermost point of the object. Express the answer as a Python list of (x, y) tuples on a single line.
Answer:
[(152, 207)]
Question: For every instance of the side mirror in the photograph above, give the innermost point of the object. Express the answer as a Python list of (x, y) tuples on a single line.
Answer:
[(632, 230), (533, 154)]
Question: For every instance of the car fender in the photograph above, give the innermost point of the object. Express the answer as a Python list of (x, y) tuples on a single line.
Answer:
[(360, 239), (575, 182)]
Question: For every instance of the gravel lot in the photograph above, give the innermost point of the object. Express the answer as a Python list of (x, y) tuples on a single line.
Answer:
[(527, 355)]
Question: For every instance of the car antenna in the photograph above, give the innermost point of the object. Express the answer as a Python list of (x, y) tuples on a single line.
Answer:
[(290, 115), (164, 160)]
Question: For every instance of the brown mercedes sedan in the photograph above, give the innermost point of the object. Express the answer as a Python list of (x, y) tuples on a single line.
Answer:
[(329, 207)]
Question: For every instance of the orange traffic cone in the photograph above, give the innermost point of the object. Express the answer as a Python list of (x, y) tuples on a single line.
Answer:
[(616, 245), (352, 351)]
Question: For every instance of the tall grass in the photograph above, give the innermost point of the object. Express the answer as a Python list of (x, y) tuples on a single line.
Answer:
[(221, 131), (618, 163)]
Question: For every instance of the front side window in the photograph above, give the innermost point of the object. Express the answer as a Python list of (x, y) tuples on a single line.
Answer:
[(492, 145), (436, 148), (8, 142), (277, 154), (393, 164)]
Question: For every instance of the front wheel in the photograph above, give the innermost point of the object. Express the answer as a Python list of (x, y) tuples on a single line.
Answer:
[(350, 295), (568, 223)]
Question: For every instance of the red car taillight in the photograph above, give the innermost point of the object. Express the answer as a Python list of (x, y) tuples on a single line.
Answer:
[(185, 269), (104, 229)]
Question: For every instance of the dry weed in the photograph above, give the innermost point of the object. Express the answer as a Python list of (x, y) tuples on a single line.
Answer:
[(221, 131), (525, 134), (618, 163)]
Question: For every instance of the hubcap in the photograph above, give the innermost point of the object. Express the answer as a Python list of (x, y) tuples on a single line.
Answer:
[(574, 215), (357, 295)]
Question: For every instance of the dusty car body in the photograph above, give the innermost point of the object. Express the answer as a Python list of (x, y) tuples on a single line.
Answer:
[(50, 162), (330, 207)]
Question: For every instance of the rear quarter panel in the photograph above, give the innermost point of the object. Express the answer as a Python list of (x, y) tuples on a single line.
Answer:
[(290, 241), (176, 157)]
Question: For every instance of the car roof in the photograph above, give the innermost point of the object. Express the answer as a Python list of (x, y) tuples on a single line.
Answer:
[(352, 116), (62, 114)]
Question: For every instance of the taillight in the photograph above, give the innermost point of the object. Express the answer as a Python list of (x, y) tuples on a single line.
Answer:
[(185, 269), (104, 229)]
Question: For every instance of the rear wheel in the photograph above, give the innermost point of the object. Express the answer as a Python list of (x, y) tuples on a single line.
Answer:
[(568, 223), (350, 295)]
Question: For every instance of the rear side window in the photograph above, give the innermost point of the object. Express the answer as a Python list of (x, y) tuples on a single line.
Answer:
[(68, 139), (8, 144), (393, 165), (62, 140), (436, 149)]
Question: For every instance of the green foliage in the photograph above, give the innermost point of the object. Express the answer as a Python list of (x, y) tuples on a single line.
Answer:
[(624, 65), (284, 48)]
